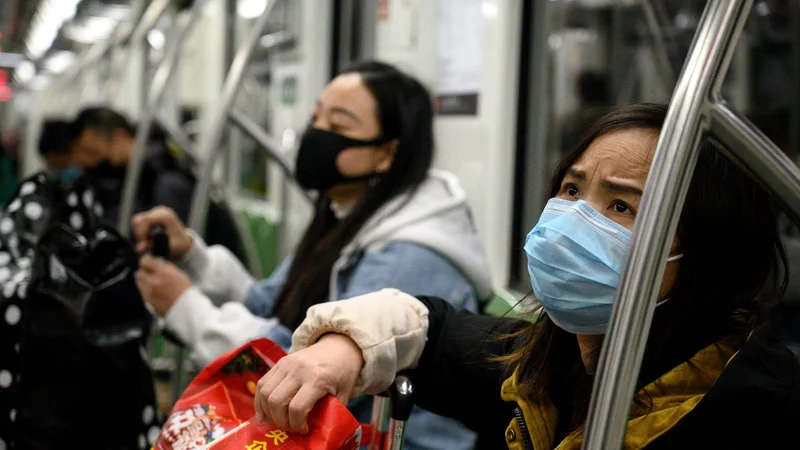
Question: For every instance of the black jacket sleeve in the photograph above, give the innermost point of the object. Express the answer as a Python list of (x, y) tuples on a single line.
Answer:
[(174, 190), (456, 376)]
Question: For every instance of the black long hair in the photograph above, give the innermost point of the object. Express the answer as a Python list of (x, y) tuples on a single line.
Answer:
[(405, 112), (733, 271)]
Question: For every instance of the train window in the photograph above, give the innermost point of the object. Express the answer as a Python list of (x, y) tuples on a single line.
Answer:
[(581, 58)]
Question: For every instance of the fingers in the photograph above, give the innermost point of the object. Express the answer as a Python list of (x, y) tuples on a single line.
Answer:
[(144, 282), (143, 224), (301, 405), (278, 403), (148, 264), (264, 389)]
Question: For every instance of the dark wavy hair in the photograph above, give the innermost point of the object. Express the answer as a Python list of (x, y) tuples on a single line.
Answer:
[(733, 272), (405, 112)]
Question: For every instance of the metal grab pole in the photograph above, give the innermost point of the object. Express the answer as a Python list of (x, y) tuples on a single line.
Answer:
[(177, 134), (149, 19), (265, 141), (210, 142), (161, 79), (662, 202), (749, 147)]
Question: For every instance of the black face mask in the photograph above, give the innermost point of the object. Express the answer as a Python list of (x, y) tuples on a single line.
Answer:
[(107, 171), (316, 158)]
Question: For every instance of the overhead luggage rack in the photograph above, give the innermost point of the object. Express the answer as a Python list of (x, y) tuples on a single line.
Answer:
[(696, 111)]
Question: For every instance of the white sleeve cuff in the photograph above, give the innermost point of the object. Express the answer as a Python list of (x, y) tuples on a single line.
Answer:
[(211, 331), (216, 271), (196, 261), (185, 317), (389, 327)]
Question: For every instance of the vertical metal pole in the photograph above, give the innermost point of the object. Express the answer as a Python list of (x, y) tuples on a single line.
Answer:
[(368, 29), (538, 125), (345, 43), (662, 202), (210, 141), (229, 17), (381, 408), (160, 82)]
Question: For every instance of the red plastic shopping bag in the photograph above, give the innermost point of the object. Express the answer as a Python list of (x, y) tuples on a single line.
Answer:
[(216, 410)]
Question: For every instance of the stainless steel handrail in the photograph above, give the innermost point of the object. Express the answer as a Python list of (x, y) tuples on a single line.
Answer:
[(211, 140), (748, 146), (161, 79), (149, 19), (662, 202), (177, 134), (265, 142)]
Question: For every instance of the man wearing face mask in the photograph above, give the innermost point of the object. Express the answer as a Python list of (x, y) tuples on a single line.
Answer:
[(54, 149), (102, 142)]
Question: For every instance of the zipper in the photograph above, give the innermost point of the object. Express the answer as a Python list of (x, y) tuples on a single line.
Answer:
[(523, 429)]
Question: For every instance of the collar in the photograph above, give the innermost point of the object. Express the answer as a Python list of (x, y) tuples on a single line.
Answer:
[(673, 395)]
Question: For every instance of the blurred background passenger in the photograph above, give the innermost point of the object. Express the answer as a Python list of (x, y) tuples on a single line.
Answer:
[(102, 142), (9, 172), (54, 148)]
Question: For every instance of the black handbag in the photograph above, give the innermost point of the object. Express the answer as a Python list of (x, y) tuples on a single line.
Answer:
[(75, 348)]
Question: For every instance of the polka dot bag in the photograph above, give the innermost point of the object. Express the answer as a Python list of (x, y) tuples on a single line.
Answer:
[(72, 362)]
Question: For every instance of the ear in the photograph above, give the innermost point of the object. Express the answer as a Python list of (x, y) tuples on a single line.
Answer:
[(385, 156)]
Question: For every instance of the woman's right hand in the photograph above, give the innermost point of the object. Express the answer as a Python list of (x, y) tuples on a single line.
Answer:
[(180, 241), (289, 391)]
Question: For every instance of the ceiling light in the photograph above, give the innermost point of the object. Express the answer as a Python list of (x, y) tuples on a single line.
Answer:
[(156, 39), (50, 17), (24, 72), (59, 62), (90, 30), (250, 9)]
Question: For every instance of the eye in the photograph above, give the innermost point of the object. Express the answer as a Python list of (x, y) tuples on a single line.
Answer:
[(571, 190), (622, 207)]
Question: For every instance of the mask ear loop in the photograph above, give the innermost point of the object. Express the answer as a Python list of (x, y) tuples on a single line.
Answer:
[(675, 257), (669, 260)]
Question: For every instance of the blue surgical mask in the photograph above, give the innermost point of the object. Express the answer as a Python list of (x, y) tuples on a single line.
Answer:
[(575, 257), (69, 174)]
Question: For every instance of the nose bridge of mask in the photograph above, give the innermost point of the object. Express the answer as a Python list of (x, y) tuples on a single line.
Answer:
[(581, 229)]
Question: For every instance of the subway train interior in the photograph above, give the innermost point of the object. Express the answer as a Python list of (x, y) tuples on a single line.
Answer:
[(187, 185)]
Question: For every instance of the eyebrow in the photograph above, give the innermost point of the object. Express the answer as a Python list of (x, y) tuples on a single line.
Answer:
[(340, 110), (606, 184), (577, 174), (621, 188)]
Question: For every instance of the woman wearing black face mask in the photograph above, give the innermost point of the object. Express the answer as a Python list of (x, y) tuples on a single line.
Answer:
[(383, 220)]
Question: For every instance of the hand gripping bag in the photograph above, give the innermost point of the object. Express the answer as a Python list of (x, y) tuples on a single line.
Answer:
[(216, 410)]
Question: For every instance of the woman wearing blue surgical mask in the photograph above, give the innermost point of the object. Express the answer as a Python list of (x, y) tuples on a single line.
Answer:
[(712, 375), (382, 220)]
